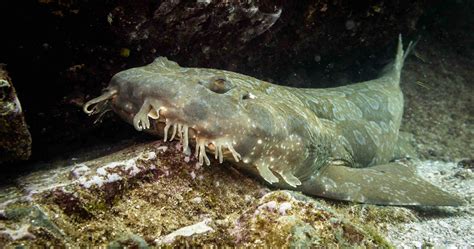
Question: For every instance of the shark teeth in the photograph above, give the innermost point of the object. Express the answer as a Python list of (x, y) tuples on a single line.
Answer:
[(218, 145)]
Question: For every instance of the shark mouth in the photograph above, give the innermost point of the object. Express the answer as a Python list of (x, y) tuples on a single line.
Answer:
[(186, 133), (174, 128)]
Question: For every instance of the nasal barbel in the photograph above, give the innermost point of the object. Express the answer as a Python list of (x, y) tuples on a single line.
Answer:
[(100, 103)]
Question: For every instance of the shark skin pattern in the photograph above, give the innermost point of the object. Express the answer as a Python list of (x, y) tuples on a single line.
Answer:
[(338, 143)]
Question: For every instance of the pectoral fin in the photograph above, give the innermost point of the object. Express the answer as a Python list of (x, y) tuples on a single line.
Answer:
[(387, 184), (265, 172)]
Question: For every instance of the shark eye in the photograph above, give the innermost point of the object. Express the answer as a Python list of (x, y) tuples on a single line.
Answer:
[(218, 85)]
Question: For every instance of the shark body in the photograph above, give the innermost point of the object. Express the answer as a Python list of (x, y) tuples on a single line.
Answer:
[(338, 143)]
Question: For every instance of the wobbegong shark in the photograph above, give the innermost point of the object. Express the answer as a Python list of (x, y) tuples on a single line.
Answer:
[(339, 143)]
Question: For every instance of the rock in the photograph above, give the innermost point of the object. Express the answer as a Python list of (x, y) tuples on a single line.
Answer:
[(262, 38), (137, 195), (129, 240), (153, 195), (466, 164), (290, 219), (19, 234), (15, 139), (146, 196), (187, 231), (464, 174)]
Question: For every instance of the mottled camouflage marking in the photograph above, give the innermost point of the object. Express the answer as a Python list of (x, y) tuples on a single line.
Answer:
[(335, 142)]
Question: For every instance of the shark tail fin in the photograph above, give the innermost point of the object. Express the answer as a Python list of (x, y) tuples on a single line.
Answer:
[(395, 68), (402, 54)]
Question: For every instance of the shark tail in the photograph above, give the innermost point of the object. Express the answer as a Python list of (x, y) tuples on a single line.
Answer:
[(395, 68), (401, 54)]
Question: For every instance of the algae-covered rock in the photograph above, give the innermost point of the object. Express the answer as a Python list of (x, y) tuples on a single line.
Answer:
[(153, 195), (15, 139), (143, 195), (290, 219)]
